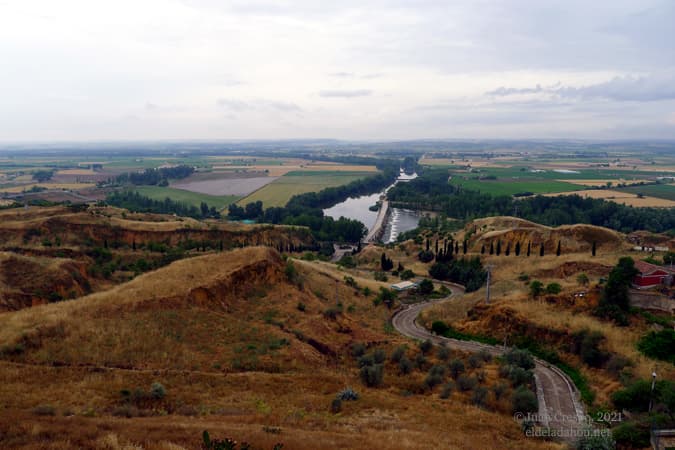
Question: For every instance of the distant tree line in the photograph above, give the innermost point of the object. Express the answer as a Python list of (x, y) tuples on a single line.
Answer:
[(431, 191), (154, 177), (133, 201)]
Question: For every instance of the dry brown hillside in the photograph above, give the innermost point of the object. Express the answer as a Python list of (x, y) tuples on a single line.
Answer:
[(56, 253), (572, 238), (245, 344)]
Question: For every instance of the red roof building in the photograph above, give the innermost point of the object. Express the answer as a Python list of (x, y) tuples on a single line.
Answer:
[(651, 275)]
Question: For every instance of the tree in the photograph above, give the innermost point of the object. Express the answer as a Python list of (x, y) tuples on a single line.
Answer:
[(482, 249), (582, 279), (499, 247), (557, 252), (43, 175), (426, 287), (553, 288), (386, 263), (529, 247), (456, 247), (492, 248), (536, 288), (541, 249), (465, 246), (594, 248), (508, 249), (517, 249), (615, 301)]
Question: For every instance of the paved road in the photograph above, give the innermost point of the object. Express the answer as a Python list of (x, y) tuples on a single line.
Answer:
[(559, 405), (373, 234)]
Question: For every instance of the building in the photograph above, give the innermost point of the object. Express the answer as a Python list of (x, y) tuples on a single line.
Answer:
[(651, 275), (404, 286)]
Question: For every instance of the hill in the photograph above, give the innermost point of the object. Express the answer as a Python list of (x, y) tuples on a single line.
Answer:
[(242, 343)]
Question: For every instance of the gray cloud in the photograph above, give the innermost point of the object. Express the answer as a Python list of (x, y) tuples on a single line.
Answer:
[(624, 88), (252, 105), (345, 93)]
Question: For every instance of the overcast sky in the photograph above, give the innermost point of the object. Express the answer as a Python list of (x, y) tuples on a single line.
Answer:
[(348, 69)]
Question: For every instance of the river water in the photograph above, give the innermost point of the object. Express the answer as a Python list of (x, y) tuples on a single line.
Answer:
[(400, 220)]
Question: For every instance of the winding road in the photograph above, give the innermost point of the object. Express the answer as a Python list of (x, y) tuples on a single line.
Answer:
[(559, 405)]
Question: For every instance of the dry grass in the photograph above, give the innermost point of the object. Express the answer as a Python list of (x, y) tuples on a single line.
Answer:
[(624, 198), (62, 186), (76, 172)]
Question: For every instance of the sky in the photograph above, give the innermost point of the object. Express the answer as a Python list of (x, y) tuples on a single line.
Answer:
[(82, 70)]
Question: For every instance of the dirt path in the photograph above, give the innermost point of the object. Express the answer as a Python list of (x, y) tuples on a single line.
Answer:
[(559, 405)]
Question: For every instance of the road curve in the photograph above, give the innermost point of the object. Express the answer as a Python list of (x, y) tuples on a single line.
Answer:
[(559, 405)]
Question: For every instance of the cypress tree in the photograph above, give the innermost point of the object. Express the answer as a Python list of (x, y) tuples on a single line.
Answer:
[(436, 245), (427, 244), (482, 249), (517, 249), (541, 249), (593, 249), (508, 249), (529, 247), (499, 247), (492, 248), (557, 252), (133, 245), (457, 247), (465, 246)]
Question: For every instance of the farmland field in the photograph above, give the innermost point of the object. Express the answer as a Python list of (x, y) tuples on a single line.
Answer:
[(665, 191), (280, 191), (67, 186), (182, 196), (626, 198), (224, 186), (511, 187)]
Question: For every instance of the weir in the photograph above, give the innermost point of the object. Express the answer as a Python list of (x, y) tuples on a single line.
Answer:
[(375, 233)]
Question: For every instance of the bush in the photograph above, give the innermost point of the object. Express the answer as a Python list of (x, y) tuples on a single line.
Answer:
[(446, 392), (426, 346), (348, 394), (358, 349), (157, 391), (435, 376), (336, 406), (397, 354), (593, 439), (439, 327), (380, 276), (659, 345), (586, 344), (475, 361), (443, 353), (301, 307), (372, 376), (425, 287), (485, 355), (524, 401), (520, 376), (617, 364), (479, 396), (553, 288), (630, 435), (456, 368), (465, 383), (481, 376), (379, 356), (499, 390), (520, 358), (405, 366), (536, 288), (366, 360), (420, 361), (407, 274)]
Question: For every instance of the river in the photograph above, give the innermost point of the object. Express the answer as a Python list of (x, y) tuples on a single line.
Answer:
[(400, 220)]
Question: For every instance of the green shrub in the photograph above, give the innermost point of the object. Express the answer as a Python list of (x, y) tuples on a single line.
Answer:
[(631, 435), (426, 346), (157, 391), (659, 345), (456, 367), (553, 288), (379, 356), (443, 353), (479, 396), (499, 389), (358, 349), (336, 406), (372, 376), (446, 392), (465, 383), (44, 410), (397, 354), (405, 366), (524, 401), (520, 358)]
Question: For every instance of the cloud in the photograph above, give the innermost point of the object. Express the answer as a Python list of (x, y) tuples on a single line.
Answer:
[(345, 93), (648, 88), (252, 105)]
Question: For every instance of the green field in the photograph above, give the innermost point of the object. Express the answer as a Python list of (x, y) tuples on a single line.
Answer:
[(665, 191), (280, 191), (510, 187), (191, 198)]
